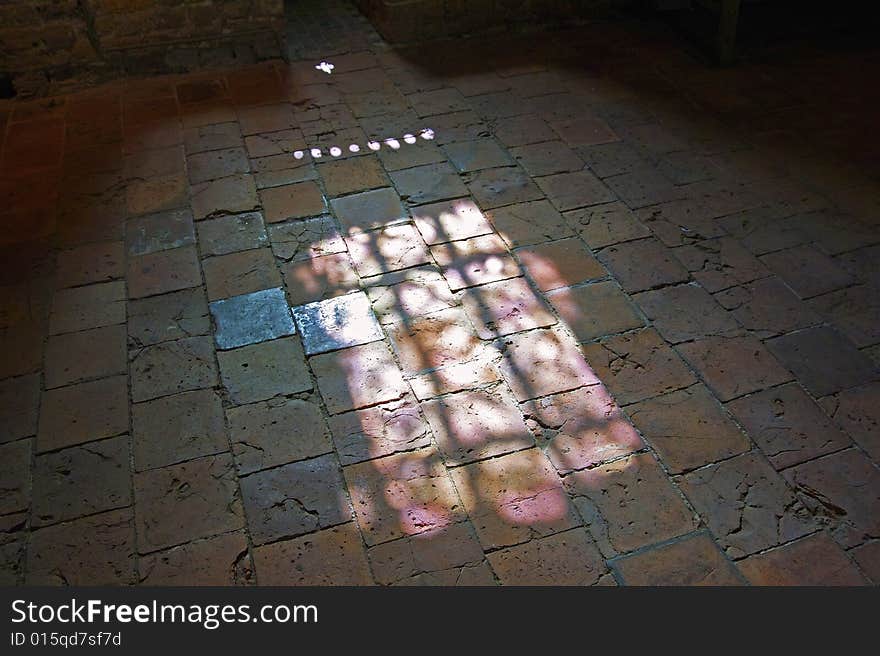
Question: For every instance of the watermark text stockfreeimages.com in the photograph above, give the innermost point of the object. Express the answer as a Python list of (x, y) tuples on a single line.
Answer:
[(209, 616)]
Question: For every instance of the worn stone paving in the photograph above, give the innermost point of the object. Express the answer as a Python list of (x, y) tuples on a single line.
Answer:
[(616, 323)]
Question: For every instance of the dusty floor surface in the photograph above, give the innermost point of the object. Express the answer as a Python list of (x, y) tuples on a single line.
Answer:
[(615, 323)]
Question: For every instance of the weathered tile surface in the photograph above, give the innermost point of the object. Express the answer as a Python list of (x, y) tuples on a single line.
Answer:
[(337, 323), (251, 318), (694, 560), (295, 499), (261, 371), (557, 325), (275, 432), (747, 505)]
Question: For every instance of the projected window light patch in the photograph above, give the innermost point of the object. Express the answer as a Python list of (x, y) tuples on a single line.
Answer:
[(251, 318), (337, 323)]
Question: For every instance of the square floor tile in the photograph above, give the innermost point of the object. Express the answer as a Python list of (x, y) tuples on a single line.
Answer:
[(296, 201), (823, 360), (475, 425), (389, 249), (475, 261), (95, 353), (295, 241), (251, 318), (746, 504), (159, 232), (228, 234), (81, 480), (276, 432), (358, 377), (402, 494), (483, 153), (337, 323), (92, 306), (514, 498), (172, 367), (183, 502), (163, 271), (295, 499), (261, 371), (199, 429), (370, 209), (168, 317), (429, 183), (450, 220), (240, 273), (320, 277), (505, 307), (733, 366), (94, 550), (83, 412), (334, 556)]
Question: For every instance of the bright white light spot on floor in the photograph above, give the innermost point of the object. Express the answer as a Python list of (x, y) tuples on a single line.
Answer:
[(324, 66), (494, 264), (391, 142)]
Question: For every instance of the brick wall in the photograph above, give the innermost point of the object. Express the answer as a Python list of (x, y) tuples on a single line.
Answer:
[(409, 21), (51, 46)]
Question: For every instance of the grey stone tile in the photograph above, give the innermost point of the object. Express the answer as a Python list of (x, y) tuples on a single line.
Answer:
[(337, 323), (251, 318)]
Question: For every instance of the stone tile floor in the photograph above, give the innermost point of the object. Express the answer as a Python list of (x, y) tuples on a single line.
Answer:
[(616, 323)]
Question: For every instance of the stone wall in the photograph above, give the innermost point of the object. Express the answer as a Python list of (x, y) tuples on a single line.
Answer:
[(410, 21), (51, 46)]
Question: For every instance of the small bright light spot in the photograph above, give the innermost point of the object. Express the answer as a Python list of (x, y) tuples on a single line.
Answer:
[(336, 151), (494, 264), (324, 66), (409, 138), (316, 153), (394, 143), (427, 133), (298, 154), (354, 148), (374, 145), (545, 350)]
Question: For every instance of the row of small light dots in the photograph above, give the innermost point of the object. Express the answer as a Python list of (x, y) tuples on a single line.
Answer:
[(391, 142)]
